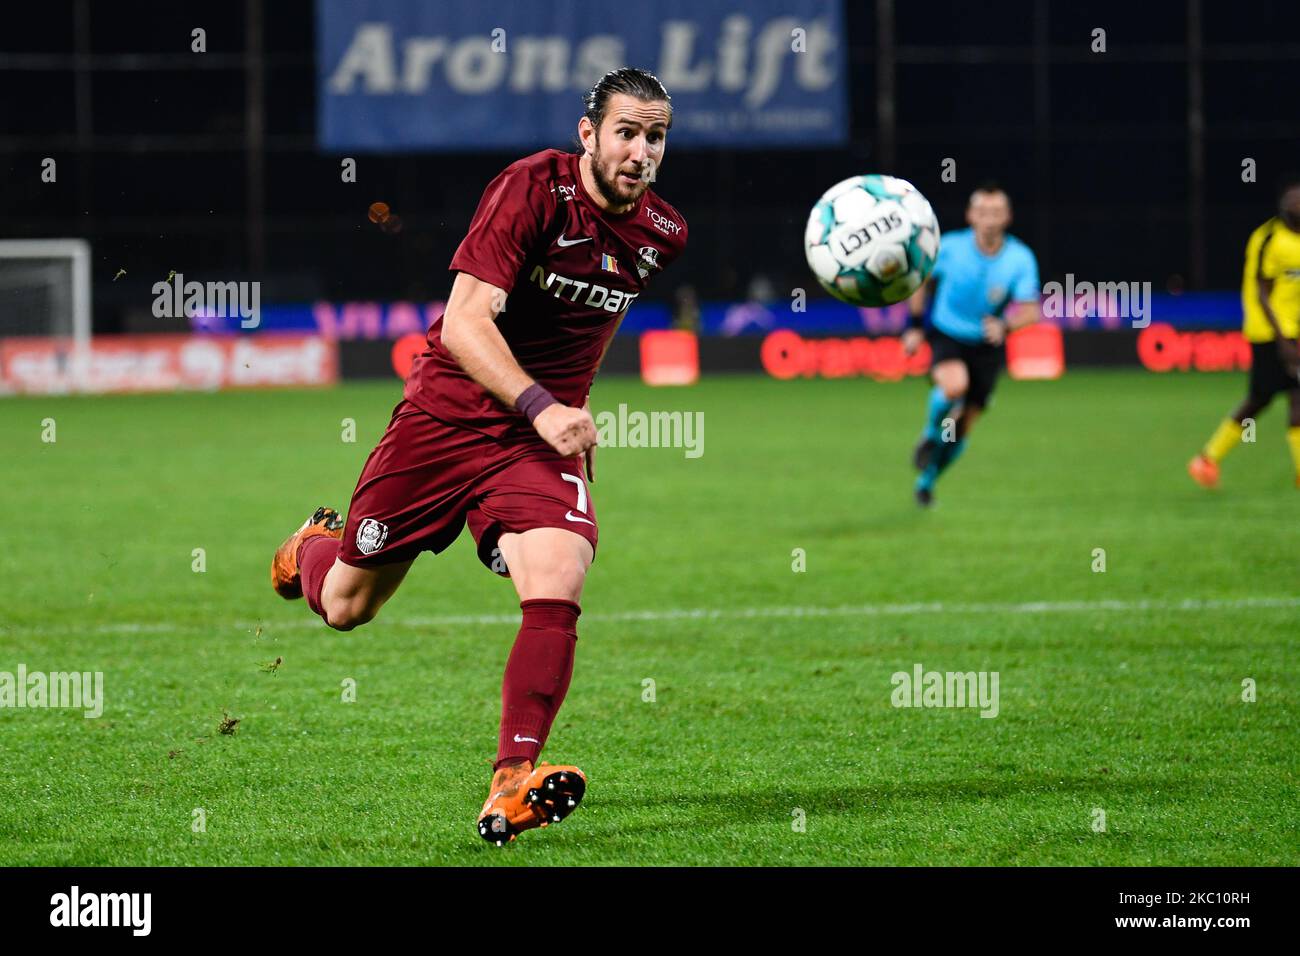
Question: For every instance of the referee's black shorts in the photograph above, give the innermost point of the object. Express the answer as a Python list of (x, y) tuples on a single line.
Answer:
[(1268, 375), (983, 362)]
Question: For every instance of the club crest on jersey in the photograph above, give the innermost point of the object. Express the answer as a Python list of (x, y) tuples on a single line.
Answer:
[(371, 536), (649, 260), (607, 263)]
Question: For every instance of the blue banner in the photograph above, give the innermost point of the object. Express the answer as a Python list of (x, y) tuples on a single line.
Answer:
[(1185, 311), (397, 75), (350, 321), (372, 320)]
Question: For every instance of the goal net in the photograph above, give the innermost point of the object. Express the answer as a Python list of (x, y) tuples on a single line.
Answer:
[(45, 288)]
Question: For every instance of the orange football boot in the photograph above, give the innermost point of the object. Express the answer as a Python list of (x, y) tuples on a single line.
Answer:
[(523, 798), (1204, 472), (284, 566)]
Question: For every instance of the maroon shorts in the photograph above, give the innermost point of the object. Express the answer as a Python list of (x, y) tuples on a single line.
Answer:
[(426, 479)]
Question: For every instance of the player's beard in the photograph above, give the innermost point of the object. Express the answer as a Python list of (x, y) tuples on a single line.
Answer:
[(615, 192)]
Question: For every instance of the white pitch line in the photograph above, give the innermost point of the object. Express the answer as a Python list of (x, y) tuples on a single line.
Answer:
[(309, 622), (877, 610)]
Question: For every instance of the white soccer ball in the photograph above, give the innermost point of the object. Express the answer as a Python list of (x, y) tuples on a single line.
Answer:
[(871, 240)]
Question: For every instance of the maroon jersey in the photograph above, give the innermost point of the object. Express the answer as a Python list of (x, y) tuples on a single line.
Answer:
[(571, 270)]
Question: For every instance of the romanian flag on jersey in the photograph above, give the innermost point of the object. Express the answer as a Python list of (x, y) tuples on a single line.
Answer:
[(607, 262)]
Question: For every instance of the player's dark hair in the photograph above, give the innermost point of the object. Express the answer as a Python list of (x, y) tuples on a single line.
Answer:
[(1286, 182), (641, 84), (990, 186)]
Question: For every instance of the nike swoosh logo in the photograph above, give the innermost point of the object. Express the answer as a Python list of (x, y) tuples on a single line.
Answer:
[(570, 516), (570, 242), (520, 740)]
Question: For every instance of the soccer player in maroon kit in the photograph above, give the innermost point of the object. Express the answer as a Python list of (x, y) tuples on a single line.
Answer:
[(494, 426)]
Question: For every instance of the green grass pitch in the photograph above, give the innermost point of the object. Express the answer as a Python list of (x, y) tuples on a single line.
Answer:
[(1119, 691)]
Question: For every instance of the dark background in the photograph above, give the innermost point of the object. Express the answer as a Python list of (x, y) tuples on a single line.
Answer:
[(207, 164)]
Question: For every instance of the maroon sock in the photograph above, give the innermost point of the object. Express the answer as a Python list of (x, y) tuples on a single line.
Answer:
[(537, 678), (315, 557)]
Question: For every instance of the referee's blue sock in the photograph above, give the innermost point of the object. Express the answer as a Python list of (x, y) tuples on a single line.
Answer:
[(943, 457), (948, 453), (937, 410), (926, 479)]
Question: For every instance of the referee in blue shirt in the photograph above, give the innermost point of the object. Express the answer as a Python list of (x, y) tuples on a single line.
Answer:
[(984, 285)]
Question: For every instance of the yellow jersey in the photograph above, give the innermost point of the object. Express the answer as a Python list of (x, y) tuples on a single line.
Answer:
[(1273, 251)]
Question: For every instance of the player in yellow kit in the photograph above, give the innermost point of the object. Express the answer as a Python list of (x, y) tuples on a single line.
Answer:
[(1270, 299)]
